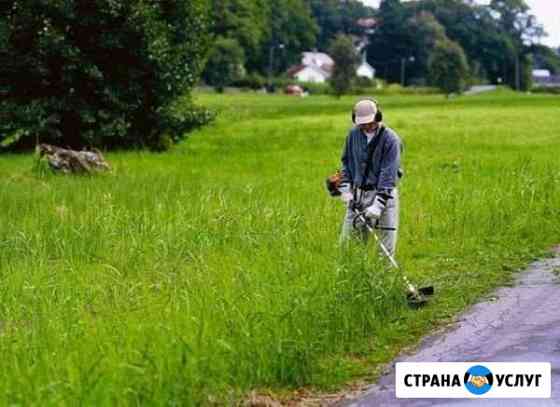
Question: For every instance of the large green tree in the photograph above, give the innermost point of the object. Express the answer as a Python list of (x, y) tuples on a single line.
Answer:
[(272, 33), (546, 58), (522, 30), (426, 32), (101, 72), (391, 41), (345, 59), (225, 63), (246, 22), (475, 28), (448, 67), (292, 31)]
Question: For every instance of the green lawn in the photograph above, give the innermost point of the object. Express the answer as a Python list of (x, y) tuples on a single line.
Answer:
[(194, 276)]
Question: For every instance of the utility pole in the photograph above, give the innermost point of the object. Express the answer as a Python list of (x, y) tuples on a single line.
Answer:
[(271, 63), (517, 74), (403, 69), (403, 62)]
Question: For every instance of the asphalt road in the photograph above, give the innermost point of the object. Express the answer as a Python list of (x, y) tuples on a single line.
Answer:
[(517, 324), (475, 90)]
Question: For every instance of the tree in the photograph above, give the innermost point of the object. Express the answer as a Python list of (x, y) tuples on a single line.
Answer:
[(225, 63), (266, 30), (426, 32), (522, 30), (474, 28), (245, 21), (292, 30), (391, 42), (101, 72), (346, 60), (448, 67), (496, 38), (338, 17), (546, 58), (515, 20)]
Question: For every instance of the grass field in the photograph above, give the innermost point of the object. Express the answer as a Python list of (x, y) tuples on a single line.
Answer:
[(194, 276)]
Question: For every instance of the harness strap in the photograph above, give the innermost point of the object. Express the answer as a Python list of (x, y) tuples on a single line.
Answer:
[(372, 146)]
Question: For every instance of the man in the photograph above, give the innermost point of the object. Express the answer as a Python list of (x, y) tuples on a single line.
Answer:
[(370, 174)]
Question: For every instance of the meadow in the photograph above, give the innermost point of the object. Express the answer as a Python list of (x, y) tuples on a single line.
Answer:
[(195, 276)]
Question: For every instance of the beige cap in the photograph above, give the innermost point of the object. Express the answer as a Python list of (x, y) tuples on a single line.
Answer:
[(365, 111)]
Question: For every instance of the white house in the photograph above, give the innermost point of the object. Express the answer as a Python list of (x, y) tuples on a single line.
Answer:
[(365, 70), (544, 78), (309, 73), (317, 67), (541, 73)]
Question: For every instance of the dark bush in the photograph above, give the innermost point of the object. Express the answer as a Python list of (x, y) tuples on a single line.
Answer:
[(100, 72), (448, 67), (251, 81), (225, 63)]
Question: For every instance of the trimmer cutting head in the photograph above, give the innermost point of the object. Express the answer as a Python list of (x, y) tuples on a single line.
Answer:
[(418, 297)]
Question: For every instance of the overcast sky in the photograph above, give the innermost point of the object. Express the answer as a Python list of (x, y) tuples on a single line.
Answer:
[(547, 12)]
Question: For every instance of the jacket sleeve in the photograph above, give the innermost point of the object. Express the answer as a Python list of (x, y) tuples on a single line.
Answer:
[(390, 164), (346, 183)]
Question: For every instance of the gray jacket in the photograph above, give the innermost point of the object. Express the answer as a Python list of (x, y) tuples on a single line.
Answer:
[(383, 174)]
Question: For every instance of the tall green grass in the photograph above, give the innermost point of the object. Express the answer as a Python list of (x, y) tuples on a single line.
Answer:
[(194, 276)]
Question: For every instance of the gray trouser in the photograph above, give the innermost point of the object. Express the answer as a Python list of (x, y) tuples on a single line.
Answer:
[(386, 227)]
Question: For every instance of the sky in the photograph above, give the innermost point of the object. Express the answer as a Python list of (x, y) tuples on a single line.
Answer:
[(546, 11)]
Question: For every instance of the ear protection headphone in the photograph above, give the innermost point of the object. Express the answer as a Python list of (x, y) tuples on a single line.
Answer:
[(378, 115)]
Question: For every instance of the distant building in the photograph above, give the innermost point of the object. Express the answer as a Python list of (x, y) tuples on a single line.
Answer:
[(365, 70), (317, 67), (543, 77), (309, 73), (541, 73), (368, 23), (319, 59)]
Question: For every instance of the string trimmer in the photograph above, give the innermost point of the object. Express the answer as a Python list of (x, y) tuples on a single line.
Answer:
[(415, 296)]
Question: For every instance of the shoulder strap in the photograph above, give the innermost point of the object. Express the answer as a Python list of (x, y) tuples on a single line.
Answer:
[(372, 146)]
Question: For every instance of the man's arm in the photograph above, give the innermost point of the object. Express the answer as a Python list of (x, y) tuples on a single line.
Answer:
[(346, 181), (390, 164)]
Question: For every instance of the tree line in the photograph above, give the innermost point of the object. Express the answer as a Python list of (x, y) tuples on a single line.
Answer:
[(499, 40), (119, 74), (419, 42)]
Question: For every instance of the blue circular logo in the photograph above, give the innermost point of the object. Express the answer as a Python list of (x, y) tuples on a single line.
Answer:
[(478, 380)]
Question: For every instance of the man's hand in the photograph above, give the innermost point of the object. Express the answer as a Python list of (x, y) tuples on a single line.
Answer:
[(347, 197), (375, 210)]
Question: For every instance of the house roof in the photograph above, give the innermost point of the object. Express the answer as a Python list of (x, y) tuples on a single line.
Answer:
[(296, 69), (316, 58), (368, 22)]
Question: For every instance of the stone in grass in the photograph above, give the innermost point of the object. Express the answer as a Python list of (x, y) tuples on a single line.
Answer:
[(73, 162)]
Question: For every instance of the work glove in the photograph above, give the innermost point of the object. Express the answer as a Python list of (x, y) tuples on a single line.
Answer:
[(374, 211), (347, 197)]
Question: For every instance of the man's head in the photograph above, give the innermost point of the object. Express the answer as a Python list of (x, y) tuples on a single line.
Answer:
[(366, 115)]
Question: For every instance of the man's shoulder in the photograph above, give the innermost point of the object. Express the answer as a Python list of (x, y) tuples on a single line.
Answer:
[(354, 131), (392, 135)]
